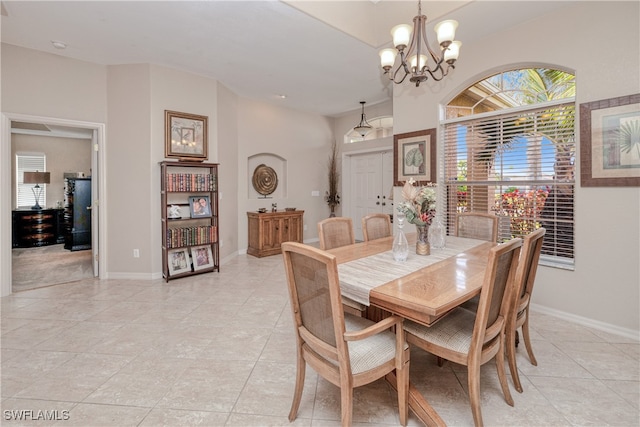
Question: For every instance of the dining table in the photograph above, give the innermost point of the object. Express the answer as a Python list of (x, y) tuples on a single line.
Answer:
[(424, 288)]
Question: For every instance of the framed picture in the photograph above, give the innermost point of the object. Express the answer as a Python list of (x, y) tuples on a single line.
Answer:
[(610, 142), (179, 261), (200, 206), (414, 156), (185, 136), (202, 257)]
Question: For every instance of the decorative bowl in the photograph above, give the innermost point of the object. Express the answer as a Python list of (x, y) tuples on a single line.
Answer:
[(289, 209)]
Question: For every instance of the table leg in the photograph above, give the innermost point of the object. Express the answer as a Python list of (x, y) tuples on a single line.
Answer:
[(419, 405)]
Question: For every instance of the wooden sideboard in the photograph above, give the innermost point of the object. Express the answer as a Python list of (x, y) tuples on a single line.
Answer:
[(268, 230)]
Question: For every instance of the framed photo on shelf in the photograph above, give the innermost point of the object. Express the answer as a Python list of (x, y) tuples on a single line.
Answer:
[(610, 142), (185, 136), (178, 260), (202, 257), (414, 156), (200, 206)]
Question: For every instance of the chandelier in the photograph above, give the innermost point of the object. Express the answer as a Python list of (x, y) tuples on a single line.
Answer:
[(363, 127), (417, 58)]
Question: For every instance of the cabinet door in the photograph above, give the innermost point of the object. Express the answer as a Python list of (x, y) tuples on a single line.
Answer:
[(291, 229), (271, 236)]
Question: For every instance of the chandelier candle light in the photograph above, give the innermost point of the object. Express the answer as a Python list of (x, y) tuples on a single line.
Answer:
[(417, 58)]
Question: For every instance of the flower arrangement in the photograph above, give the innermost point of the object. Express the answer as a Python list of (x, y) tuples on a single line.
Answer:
[(419, 206)]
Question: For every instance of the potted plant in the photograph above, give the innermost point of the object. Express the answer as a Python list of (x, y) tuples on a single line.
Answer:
[(332, 197)]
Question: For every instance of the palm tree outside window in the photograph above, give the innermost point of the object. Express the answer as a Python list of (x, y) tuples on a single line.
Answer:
[(509, 148)]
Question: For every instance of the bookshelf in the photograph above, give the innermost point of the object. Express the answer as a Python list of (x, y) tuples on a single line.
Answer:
[(189, 208)]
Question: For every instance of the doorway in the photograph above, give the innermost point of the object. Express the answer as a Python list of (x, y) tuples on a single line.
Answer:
[(370, 184), (96, 133)]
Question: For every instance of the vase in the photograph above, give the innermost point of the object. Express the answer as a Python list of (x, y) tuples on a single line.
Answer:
[(437, 234), (400, 248), (422, 240)]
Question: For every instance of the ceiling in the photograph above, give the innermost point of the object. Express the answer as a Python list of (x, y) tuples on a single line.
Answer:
[(323, 55)]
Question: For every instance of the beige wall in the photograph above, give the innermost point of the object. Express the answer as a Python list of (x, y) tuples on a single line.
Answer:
[(62, 155), (304, 141), (47, 85), (129, 172), (605, 285), (227, 133)]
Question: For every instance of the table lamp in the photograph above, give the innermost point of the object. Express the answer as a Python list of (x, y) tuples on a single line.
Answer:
[(36, 178)]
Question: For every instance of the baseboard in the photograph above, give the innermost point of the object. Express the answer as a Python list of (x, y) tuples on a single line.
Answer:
[(590, 323)]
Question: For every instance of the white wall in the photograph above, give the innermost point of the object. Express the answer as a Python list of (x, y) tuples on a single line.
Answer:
[(605, 284)]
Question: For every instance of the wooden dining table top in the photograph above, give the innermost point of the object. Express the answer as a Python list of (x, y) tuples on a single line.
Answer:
[(425, 294)]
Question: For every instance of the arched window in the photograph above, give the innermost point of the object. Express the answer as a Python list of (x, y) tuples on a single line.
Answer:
[(380, 128), (509, 148)]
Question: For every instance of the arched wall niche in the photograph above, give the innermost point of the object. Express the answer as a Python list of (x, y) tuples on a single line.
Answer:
[(278, 164)]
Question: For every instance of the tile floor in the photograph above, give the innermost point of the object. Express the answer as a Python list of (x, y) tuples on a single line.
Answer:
[(217, 350)]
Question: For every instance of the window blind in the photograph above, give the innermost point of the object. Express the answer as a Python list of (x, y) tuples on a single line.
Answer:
[(519, 165), (31, 162)]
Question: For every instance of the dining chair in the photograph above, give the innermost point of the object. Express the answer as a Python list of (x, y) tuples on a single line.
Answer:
[(519, 317), (477, 225), (346, 350), (333, 233), (376, 226), (474, 338)]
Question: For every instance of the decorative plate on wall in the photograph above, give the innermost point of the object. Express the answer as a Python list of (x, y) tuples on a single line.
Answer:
[(265, 180)]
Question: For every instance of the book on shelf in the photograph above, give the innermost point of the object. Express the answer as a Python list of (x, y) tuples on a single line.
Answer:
[(191, 182)]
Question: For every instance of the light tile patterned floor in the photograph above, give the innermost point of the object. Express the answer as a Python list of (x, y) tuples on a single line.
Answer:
[(217, 350)]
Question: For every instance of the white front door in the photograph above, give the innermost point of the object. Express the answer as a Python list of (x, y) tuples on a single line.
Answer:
[(371, 186)]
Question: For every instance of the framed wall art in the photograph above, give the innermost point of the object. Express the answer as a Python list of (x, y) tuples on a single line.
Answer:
[(414, 156), (185, 136), (179, 261), (200, 206), (202, 257), (610, 142)]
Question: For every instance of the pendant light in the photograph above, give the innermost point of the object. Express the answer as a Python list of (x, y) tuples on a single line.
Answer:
[(363, 127)]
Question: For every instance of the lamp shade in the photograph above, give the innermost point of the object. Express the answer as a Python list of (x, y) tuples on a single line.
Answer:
[(446, 31), (36, 178), (452, 52), (401, 35)]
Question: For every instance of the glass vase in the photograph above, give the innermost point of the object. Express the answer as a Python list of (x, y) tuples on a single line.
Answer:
[(437, 234), (422, 240), (400, 246)]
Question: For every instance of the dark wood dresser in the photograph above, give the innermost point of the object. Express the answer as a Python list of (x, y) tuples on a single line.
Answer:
[(37, 227)]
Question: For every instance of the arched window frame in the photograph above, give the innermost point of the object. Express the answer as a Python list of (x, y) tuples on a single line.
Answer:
[(381, 127), (499, 119)]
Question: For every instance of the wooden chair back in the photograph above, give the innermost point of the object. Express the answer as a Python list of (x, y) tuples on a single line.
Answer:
[(335, 232), (519, 316), (376, 226), (474, 338), (346, 350), (477, 225)]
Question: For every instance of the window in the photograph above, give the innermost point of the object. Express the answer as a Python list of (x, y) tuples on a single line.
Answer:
[(509, 148), (29, 162), (380, 128)]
